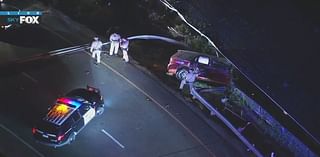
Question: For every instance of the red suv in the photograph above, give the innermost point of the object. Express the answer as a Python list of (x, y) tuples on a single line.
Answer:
[(212, 69)]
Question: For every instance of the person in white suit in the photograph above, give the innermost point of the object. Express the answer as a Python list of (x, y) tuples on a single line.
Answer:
[(190, 78), (124, 46), (114, 43), (95, 49)]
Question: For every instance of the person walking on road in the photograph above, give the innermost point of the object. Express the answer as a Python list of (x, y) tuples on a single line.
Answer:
[(124, 46), (114, 43), (95, 49)]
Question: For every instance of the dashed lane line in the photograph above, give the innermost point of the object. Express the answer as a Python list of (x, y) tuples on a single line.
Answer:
[(30, 77), (114, 139)]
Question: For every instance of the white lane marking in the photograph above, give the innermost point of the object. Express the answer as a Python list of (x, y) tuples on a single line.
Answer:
[(163, 108), (30, 77), (21, 140), (115, 140), (66, 51), (67, 48)]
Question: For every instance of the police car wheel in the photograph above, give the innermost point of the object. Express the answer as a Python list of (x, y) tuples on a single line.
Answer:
[(181, 73), (100, 110), (72, 137)]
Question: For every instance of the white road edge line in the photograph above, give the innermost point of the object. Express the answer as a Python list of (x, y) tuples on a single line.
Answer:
[(21, 140), (163, 108), (30, 77), (115, 140)]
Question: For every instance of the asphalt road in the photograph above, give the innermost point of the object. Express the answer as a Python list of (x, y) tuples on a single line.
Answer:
[(141, 118)]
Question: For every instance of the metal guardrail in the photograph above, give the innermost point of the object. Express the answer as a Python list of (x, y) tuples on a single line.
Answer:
[(193, 91), (214, 112), (218, 52), (196, 95)]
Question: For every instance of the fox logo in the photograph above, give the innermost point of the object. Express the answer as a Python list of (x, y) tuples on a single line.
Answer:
[(29, 19)]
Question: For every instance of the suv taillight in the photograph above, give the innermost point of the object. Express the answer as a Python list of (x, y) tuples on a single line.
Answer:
[(34, 130)]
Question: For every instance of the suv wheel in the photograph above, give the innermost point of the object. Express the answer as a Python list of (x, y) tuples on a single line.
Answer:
[(100, 110), (181, 73)]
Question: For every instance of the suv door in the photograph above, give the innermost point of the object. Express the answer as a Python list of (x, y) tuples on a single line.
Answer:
[(78, 122), (203, 63), (219, 73), (87, 112)]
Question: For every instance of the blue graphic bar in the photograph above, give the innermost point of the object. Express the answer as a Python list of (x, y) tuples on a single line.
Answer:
[(20, 13)]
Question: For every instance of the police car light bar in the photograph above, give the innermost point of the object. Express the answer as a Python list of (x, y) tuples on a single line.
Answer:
[(68, 101)]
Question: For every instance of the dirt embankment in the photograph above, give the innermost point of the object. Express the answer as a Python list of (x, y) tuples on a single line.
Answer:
[(273, 42)]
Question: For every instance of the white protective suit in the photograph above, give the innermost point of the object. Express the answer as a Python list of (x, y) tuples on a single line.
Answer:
[(190, 78), (95, 49), (114, 43), (124, 45)]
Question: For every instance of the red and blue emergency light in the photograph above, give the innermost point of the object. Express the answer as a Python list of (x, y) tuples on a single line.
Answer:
[(68, 101)]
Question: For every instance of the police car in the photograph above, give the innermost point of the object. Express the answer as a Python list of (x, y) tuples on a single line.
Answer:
[(68, 116)]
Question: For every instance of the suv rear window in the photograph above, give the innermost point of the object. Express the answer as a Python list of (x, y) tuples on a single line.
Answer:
[(203, 60), (47, 127)]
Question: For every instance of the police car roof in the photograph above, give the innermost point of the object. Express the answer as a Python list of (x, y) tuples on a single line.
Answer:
[(62, 110)]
